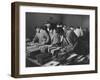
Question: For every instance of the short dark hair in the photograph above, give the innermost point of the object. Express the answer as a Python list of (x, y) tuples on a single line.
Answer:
[(43, 27), (60, 30), (78, 27), (37, 27)]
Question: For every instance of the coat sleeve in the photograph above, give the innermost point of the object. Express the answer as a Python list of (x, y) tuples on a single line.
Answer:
[(35, 39), (47, 37)]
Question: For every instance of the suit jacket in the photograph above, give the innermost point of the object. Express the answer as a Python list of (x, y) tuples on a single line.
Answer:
[(42, 37)]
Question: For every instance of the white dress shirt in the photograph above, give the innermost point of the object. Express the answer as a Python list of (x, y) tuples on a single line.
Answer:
[(78, 32)]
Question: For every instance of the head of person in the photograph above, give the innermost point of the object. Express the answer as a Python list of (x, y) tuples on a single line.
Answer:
[(64, 27), (77, 27), (43, 27), (37, 29), (47, 25), (71, 27)]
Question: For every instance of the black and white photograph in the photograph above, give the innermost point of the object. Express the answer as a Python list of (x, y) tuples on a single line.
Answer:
[(51, 39), (57, 39)]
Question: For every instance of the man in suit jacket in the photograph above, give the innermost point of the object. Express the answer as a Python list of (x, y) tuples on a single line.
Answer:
[(41, 36)]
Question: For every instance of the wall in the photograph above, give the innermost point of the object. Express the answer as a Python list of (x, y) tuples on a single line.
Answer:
[(5, 40), (39, 19), (85, 21), (76, 20)]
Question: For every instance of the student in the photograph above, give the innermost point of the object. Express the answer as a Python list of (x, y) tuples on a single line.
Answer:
[(41, 36), (51, 33), (36, 37), (81, 46), (71, 36), (78, 31), (55, 38)]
